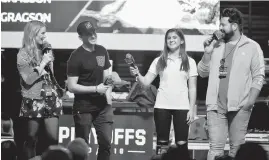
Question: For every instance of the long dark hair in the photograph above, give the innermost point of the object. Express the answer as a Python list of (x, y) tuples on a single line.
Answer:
[(162, 62)]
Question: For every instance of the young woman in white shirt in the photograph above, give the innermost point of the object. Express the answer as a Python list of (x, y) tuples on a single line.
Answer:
[(176, 95)]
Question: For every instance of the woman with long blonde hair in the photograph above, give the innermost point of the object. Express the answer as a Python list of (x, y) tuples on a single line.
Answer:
[(176, 95), (40, 100)]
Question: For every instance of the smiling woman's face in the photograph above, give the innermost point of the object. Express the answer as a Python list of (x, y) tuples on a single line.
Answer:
[(41, 35), (173, 41)]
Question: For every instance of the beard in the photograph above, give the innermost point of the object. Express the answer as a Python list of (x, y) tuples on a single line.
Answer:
[(228, 35)]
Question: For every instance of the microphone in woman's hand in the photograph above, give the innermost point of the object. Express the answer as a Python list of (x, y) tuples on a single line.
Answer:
[(46, 47), (129, 59)]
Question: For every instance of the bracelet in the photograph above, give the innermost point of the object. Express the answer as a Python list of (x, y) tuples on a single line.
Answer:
[(96, 89)]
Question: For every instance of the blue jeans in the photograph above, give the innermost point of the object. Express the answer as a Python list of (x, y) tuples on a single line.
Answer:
[(232, 124)]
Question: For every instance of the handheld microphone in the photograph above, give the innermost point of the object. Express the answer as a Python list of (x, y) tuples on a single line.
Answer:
[(129, 59), (217, 35), (46, 47), (109, 80)]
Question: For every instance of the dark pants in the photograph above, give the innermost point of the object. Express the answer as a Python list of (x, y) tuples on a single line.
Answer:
[(162, 118), (34, 125), (102, 121)]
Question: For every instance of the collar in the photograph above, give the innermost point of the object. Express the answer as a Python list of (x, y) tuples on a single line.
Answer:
[(244, 40), (87, 49), (173, 57)]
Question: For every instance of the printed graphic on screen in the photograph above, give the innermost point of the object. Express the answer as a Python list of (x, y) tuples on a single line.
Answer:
[(114, 16), (131, 137)]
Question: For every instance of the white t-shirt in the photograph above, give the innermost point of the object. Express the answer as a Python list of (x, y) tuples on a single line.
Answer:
[(173, 90)]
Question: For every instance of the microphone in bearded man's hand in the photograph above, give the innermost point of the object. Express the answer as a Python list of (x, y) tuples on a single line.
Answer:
[(217, 35)]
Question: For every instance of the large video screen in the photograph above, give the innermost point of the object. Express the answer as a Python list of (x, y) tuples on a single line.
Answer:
[(125, 24)]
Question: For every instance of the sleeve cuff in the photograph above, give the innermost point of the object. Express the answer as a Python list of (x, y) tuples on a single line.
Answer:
[(257, 84), (107, 66), (193, 75), (37, 69), (202, 65), (152, 72)]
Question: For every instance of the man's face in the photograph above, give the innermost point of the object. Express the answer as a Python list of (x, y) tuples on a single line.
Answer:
[(226, 27), (89, 39)]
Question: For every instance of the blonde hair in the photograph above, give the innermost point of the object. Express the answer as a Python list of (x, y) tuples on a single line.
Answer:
[(31, 30)]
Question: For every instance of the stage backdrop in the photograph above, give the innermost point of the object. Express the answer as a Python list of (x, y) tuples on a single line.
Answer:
[(122, 24), (132, 136)]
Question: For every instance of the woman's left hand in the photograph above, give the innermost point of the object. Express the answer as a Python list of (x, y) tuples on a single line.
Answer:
[(50, 53), (190, 117)]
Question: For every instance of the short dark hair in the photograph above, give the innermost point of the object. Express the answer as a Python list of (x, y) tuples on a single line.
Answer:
[(79, 149), (250, 151), (224, 157), (56, 152), (235, 16)]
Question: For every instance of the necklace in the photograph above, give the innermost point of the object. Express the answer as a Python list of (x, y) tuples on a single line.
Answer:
[(223, 70)]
